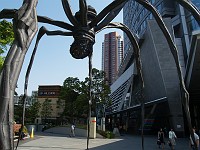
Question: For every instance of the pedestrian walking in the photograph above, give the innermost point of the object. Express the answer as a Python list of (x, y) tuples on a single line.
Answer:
[(172, 139), (161, 138), (196, 138), (166, 132), (73, 129)]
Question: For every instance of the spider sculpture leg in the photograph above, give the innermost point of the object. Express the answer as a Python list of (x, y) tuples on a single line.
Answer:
[(61, 24), (110, 16), (25, 24), (192, 8), (68, 13), (41, 32), (8, 13), (112, 6), (111, 13), (158, 18), (83, 12), (174, 51), (196, 14), (134, 42), (166, 33)]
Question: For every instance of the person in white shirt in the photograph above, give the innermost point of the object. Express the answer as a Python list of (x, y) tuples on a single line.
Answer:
[(172, 138), (73, 129), (196, 138)]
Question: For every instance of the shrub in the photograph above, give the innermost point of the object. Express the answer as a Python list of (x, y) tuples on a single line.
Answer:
[(106, 134), (110, 135), (103, 133)]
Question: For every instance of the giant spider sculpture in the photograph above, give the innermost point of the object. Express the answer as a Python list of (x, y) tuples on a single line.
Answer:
[(84, 25)]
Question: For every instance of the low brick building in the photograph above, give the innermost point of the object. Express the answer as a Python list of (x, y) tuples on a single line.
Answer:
[(52, 93)]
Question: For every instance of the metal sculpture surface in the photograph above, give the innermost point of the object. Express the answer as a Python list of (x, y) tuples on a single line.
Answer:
[(85, 24), (25, 28)]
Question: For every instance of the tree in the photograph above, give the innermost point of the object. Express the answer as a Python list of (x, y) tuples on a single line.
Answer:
[(100, 91), (83, 99), (6, 38), (69, 92), (46, 109), (60, 104), (33, 112), (1, 62), (18, 110), (76, 95)]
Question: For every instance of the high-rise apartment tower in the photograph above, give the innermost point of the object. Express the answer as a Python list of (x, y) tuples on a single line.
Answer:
[(112, 50)]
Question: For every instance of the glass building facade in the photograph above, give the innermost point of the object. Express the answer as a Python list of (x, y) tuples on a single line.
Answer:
[(162, 90), (192, 24)]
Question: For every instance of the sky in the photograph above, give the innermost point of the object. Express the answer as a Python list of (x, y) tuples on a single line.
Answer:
[(53, 62)]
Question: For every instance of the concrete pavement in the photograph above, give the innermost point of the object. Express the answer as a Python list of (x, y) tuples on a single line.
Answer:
[(44, 141)]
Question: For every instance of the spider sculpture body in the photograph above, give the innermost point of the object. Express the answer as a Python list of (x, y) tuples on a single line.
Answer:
[(84, 36), (85, 24)]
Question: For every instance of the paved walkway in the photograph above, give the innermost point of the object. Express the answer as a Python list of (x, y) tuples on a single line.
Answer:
[(44, 141)]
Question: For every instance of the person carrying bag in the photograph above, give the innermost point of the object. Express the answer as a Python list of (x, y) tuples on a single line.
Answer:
[(172, 139), (161, 137)]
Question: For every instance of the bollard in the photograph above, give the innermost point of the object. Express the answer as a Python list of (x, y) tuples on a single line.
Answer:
[(93, 127), (32, 134)]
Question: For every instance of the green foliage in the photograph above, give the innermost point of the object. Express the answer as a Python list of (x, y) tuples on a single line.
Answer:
[(6, 35), (18, 113), (6, 38), (110, 135), (100, 90), (103, 133), (76, 95), (72, 83), (32, 112), (18, 110), (69, 93), (46, 109), (60, 103), (1, 62), (106, 134), (82, 105)]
